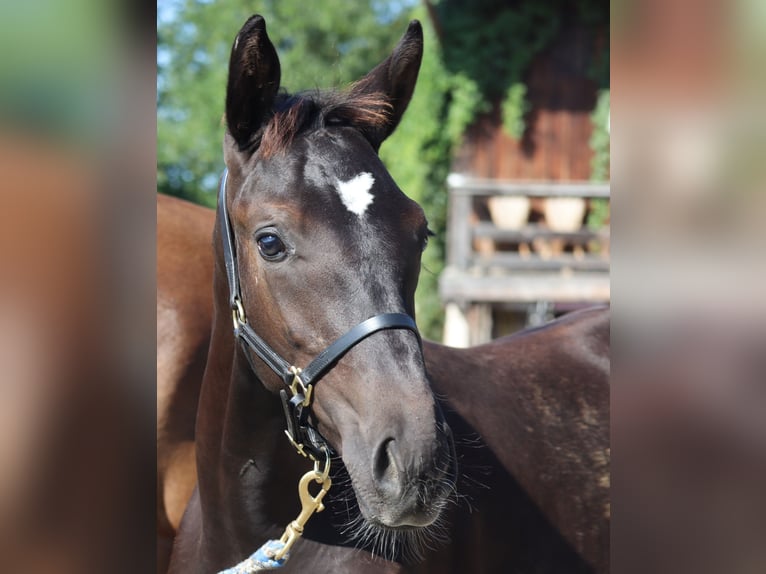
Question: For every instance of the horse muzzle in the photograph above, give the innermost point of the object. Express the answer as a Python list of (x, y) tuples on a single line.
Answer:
[(411, 480)]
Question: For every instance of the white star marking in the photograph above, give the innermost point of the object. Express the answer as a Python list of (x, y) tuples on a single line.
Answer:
[(355, 193)]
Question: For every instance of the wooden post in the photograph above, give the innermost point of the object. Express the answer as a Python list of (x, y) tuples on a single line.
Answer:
[(456, 332), (473, 283), (467, 326), (459, 237), (480, 323)]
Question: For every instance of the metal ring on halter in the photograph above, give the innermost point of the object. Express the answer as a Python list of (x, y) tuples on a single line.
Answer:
[(325, 473), (238, 313)]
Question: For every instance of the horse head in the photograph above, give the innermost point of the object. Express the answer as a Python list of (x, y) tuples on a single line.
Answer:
[(325, 240)]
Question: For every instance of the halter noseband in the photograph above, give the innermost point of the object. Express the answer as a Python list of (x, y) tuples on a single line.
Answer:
[(299, 382)]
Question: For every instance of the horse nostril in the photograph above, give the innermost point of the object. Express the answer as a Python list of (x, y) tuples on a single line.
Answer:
[(387, 467)]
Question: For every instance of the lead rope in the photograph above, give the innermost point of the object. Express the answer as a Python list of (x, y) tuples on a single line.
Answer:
[(274, 553), (261, 559)]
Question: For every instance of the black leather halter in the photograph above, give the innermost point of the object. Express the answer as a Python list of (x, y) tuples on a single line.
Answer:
[(299, 382)]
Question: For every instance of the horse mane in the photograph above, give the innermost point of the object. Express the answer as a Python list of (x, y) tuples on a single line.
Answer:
[(295, 114)]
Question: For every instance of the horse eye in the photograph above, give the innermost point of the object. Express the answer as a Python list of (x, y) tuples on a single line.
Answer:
[(427, 235), (271, 247)]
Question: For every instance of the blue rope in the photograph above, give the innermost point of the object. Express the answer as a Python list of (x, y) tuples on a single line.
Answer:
[(261, 559)]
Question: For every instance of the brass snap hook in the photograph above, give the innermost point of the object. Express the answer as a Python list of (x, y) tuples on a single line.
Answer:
[(309, 504)]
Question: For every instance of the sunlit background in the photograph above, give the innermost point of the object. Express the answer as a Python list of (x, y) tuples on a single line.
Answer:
[(78, 163), (512, 92)]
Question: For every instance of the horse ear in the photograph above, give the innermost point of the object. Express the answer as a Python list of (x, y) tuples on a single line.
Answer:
[(394, 78), (254, 75)]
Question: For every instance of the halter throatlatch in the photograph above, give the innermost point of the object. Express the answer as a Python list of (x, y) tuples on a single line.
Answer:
[(299, 383)]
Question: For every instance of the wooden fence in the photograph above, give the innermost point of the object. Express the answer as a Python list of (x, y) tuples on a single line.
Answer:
[(531, 267)]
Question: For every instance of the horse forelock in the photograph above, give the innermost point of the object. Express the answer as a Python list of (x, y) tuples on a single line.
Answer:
[(308, 111)]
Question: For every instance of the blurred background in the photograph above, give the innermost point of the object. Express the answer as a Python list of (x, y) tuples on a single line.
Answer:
[(77, 295), (688, 411), (83, 83)]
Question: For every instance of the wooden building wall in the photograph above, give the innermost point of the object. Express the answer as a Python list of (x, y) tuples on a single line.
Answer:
[(555, 144), (555, 149)]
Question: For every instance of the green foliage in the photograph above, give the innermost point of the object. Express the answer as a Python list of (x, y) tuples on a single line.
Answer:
[(599, 143), (465, 101), (57, 70), (418, 156), (513, 108), (599, 139), (323, 47), (493, 42), (598, 215)]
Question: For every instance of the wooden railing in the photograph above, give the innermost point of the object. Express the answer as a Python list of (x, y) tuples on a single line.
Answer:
[(473, 277)]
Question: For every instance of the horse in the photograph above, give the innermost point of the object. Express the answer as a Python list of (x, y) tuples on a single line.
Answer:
[(306, 201), (184, 316), (526, 364), (528, 371), (542, 409), (310, 192)]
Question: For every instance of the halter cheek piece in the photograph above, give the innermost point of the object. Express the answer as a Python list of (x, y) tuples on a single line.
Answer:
[(299, 383)]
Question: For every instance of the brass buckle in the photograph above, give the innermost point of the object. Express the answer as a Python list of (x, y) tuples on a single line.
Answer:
[(305, 391), (298, 446)]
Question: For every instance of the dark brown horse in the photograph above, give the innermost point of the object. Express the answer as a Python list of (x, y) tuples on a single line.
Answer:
[(184, 316), (512, 393), (311, 204), (539, 399), (307, 202)]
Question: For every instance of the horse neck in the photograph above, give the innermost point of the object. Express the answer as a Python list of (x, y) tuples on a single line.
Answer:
[(544, 415), (535, 380), (501, 413), (244, 461)]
